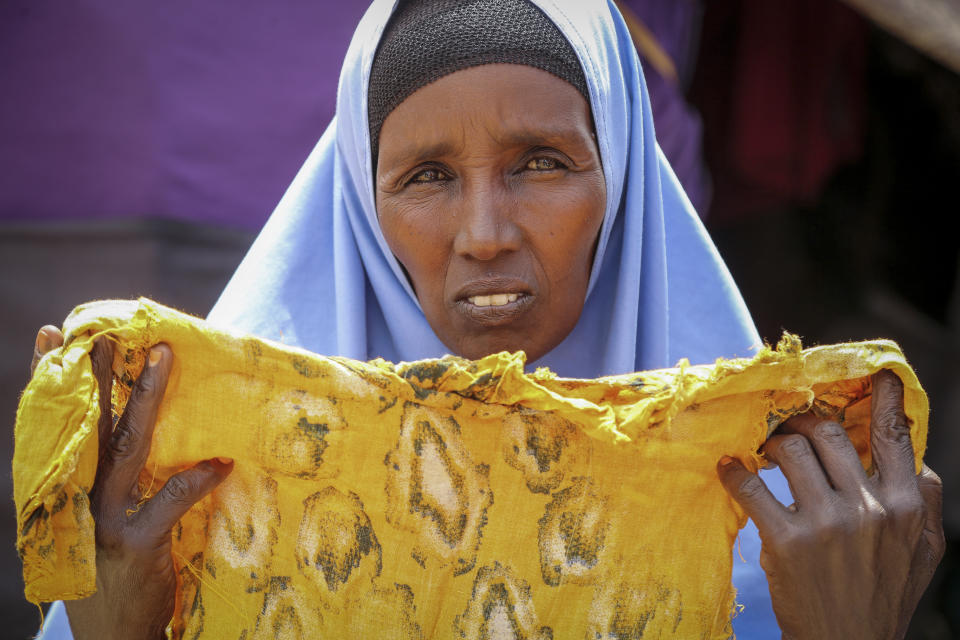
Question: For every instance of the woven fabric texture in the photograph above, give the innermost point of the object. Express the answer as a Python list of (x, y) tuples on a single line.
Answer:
[(439, 498)]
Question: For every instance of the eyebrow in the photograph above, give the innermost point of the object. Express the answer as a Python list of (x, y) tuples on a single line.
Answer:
[(547, 136), (415, 153)]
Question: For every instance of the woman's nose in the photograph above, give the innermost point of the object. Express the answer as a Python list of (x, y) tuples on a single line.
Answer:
[(486, 226)]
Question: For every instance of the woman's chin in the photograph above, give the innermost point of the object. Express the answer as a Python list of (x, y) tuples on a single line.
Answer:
[(485, 346)]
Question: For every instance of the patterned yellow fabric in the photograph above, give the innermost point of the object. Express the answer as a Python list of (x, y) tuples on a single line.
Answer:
[(434, 499)]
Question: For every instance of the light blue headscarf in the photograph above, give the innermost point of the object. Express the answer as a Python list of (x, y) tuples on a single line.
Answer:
[(321, 276)]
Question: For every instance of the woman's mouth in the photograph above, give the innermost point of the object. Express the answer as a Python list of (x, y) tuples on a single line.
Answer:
[(495, 309), (493, 300)]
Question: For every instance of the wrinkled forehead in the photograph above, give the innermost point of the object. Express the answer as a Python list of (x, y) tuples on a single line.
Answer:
[(425, 40), (487, 109)]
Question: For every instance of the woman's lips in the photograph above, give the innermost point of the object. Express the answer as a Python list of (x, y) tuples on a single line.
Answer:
[(495, 310), (493, 302)]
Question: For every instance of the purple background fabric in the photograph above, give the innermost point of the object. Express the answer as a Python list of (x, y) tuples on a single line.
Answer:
[(205, 111), (676, 26), (184, 110)]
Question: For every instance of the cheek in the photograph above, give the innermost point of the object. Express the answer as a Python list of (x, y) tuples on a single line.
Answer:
[(566, 223), (413, 235)]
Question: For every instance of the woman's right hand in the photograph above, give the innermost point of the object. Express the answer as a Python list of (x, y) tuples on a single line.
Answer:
[(136, 580), (852, 555)]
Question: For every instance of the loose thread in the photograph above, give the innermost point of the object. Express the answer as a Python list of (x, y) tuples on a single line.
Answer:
[(198, 574), (149, 492), (146, 494), (37, 605)]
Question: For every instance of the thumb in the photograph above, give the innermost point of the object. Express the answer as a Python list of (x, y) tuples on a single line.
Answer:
[(48, 338), (182, 491)]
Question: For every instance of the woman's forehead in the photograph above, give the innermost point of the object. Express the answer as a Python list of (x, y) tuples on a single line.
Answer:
[(427, 39), (512, 105)]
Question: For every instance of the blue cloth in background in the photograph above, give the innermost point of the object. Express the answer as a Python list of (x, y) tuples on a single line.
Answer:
[(56, 625), (756, 620)]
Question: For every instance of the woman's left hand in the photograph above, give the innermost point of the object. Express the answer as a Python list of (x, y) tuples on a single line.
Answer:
[(852, 556)]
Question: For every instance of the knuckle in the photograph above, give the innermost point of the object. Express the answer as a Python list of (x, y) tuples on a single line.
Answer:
[(179, 490), (146, 387), (840, 524), (867, 517), (794, 539), (750, 487), (873, 515), (124, 442), (892, 425), (831, 432), (795, 448), (906, 506)]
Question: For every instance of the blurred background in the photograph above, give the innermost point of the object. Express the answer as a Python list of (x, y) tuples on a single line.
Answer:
[(143, 144)]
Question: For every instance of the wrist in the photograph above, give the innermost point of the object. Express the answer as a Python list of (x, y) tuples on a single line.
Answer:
[(91, 619)]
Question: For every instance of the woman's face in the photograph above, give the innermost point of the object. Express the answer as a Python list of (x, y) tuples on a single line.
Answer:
[(490, 193)]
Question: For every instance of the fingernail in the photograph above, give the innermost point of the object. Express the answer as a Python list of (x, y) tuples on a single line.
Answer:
[(155, 356), (43, 342), (725, 460), (223, 460)]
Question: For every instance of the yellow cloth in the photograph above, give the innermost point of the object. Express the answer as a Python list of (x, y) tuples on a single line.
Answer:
[(442, 498)]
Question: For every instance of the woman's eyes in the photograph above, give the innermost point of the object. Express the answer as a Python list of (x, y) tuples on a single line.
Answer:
[(544, 163), (427, 176), (433, 174)]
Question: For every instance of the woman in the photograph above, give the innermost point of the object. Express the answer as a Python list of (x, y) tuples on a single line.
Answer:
[(491, 181)]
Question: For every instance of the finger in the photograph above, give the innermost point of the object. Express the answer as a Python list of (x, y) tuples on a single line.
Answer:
[(101, 357), (182, 491), (753, 495), (890, 432), (837, 454), (129, 445), (48, 338), (799, 463), (931, 490)]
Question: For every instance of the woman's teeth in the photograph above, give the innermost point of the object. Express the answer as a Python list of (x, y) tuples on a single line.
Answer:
[(495, 300)]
